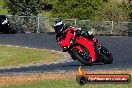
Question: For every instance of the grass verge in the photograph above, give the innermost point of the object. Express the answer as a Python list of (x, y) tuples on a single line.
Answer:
[(67, 84), (57, 80), (18, 56)]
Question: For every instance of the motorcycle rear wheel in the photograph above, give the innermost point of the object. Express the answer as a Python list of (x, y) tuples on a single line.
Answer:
[(107, 59), (80, 58)]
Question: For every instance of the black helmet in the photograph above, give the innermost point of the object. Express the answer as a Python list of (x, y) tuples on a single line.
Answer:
[(59, 26)]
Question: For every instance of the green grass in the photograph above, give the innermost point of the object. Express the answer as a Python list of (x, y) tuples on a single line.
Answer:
[(13, 56), (66, 84)]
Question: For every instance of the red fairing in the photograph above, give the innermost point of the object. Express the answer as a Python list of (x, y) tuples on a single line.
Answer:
[(94, 40), (81, 40), (88, 44), (69, 35), (79, 48)]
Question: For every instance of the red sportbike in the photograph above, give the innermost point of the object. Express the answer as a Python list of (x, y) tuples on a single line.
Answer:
[(82, 49)]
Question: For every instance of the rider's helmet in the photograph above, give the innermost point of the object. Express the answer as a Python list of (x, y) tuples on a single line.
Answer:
[(59, 26)]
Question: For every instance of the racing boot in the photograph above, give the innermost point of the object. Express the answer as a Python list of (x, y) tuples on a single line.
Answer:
[(97, 44), (98, 49)]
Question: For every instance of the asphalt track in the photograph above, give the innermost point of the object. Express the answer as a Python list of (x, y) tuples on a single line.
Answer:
[(120, 46)]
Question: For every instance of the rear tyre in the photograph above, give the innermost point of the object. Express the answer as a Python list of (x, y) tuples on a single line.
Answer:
[(107, 59), (86, 60)]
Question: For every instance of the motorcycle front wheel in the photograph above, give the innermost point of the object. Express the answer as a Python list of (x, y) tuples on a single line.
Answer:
[(83, 57)]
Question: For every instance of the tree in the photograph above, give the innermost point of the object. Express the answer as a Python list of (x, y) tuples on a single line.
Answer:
[(127, 8), (81, 9), (49, 1), (113, 11), (23, 7)]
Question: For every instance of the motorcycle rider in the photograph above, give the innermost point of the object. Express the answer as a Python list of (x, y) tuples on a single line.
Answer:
[(61, 30)]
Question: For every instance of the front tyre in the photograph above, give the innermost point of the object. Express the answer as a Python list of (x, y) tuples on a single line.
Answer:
[(83, 57)]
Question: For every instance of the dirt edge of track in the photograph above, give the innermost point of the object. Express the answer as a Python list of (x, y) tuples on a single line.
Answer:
[(22, 78)]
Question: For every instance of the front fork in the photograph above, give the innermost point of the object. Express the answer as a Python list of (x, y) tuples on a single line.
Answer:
[(80, 51)]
